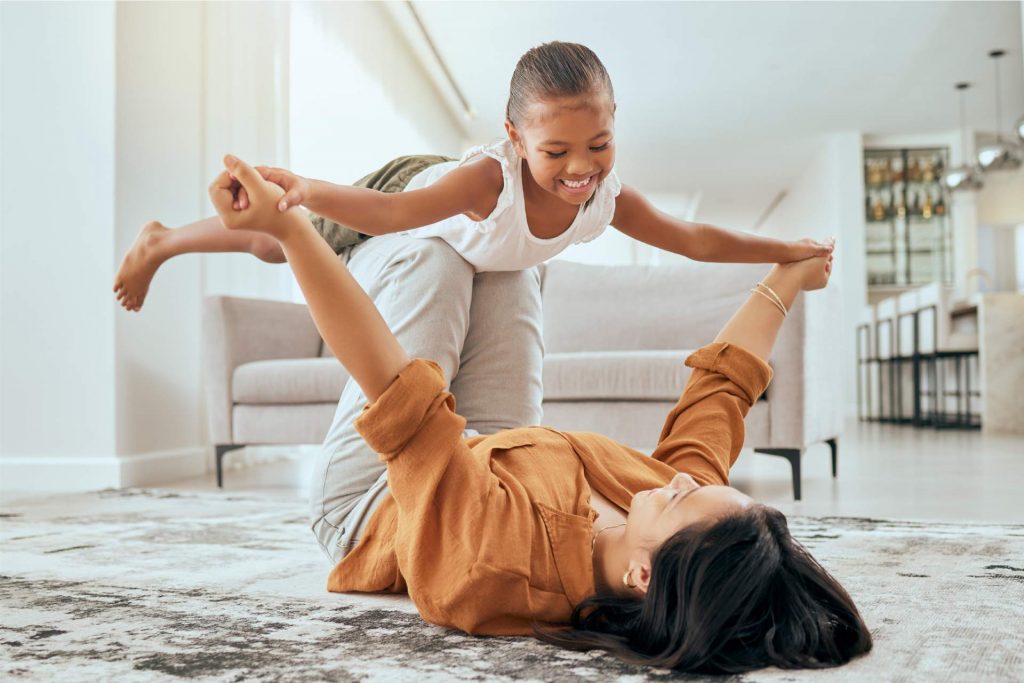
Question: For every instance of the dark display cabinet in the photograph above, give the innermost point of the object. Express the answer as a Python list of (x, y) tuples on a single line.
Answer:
[(909, 233)]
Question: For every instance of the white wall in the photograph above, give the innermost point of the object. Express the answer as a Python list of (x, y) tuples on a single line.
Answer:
[(56, 239), (102, 132), (158, 153), (827, 200), (1001, 200), (359, 96), (245, 85)]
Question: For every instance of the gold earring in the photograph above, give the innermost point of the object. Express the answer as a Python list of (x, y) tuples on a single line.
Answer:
[(625, 580)]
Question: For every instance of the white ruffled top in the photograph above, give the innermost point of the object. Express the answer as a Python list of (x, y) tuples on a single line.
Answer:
[(503, 241)]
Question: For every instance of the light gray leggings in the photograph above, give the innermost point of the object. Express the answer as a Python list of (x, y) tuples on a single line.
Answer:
[(483, 330)]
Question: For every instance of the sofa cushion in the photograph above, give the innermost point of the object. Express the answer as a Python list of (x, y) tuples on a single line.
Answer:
[(305, 423), (298, 380), (598, 308), (618, 375)]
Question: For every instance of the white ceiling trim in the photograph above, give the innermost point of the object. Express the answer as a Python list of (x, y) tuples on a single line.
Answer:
[(416, 35)]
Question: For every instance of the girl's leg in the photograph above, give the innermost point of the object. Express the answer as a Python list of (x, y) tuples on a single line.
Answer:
[(157, 243), (499, 384)]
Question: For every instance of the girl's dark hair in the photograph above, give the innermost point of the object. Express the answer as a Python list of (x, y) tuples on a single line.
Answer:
[(733, 596), (554, 70)]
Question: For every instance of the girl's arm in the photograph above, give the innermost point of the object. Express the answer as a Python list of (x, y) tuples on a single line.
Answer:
[(346, 317), (634, 216), (471, 188)]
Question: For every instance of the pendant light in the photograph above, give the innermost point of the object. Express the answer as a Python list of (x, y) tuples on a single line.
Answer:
[(999, 156), (964, 176)]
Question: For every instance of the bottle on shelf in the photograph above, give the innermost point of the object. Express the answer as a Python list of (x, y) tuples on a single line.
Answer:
[(874, 172), (878, 210), (927, 170), (896, 175), (901, 209), (926, 207), (913, 172), (940, 206)]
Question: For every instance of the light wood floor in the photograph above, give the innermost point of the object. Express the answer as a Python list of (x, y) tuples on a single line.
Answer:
[(884, 471)]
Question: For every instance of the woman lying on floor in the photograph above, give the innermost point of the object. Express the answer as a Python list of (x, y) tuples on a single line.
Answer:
[(571, 536)]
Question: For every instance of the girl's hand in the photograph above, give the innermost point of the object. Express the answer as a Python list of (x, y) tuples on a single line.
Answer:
[(260, 211), (808, 248), (295, 186)]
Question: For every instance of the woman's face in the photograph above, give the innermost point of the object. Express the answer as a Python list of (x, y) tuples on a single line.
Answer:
[(657, 514), (568, 145)]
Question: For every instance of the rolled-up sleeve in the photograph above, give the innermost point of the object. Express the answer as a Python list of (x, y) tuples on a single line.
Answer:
[(397, 416), (704, 432)]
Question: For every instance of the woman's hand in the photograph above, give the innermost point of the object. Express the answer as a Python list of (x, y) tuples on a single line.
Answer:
[(808, 248), (259, 211)]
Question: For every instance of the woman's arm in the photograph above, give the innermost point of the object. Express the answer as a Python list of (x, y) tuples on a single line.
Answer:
[(704, 432), (471, 188), (634, 216), (346, 317)]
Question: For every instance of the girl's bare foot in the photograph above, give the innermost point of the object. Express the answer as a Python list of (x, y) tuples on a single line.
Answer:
[(139, 266)]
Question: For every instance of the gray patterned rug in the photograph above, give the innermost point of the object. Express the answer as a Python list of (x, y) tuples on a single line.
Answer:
[(140, 585)]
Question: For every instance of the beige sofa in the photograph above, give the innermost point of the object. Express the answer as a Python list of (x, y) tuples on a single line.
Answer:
[(615, 339)]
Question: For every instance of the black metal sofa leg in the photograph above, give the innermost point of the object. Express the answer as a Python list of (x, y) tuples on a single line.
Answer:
[(221, 449), (833, 444), (793, 455)]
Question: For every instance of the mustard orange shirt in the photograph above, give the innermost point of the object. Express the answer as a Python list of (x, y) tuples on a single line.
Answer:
[(492, 534)]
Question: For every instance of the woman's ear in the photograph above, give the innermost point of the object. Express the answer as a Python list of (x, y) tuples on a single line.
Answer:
[(639, 571), (643, 578)]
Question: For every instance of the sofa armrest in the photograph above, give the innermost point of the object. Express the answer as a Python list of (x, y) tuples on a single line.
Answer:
[(237, 331), (805, 396)]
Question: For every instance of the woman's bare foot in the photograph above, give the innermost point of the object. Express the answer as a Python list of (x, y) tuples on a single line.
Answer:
[(139, 266)]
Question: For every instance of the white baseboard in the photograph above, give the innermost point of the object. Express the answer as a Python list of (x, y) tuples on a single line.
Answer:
[(151, 469), (91, 472)]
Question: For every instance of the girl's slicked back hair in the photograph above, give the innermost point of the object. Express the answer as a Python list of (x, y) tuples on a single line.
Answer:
[(555, 70)]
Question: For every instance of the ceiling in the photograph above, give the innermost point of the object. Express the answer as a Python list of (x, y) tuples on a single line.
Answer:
[(730, 99)]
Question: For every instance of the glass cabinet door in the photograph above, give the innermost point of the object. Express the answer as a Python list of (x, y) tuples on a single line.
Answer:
[(907, 240)]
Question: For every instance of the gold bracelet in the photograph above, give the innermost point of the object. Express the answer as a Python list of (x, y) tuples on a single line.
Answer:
[(772, 292), (782, 309), (774, 295)]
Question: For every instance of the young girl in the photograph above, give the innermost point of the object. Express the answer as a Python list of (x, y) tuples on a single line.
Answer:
[(570, 536), (506, 206)]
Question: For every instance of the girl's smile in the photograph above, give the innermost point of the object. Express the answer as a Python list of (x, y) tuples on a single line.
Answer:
[(582, 187)]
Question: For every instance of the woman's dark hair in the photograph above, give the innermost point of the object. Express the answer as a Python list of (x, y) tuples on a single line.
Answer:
[(555, 70), (733, 596)]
